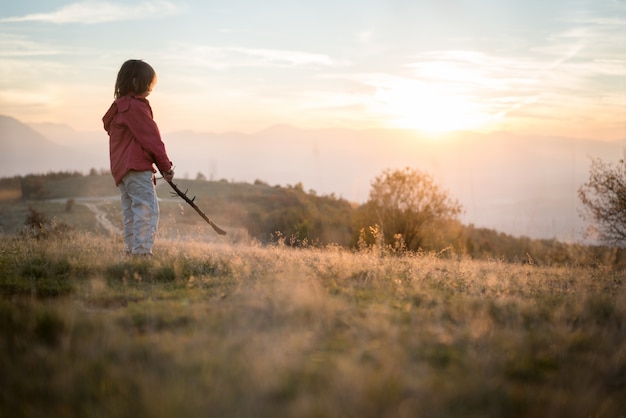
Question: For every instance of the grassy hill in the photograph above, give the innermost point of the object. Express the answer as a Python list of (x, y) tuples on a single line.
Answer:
[(262, 213), (245, 330)]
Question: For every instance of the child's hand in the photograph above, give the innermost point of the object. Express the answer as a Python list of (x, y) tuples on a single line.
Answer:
[(168, 175)]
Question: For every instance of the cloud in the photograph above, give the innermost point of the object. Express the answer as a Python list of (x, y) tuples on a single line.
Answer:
[(287, 58), (18, 46), (21, 47), (557, 80), (498, 83), (220, 58), (22, 98), (91, 12)]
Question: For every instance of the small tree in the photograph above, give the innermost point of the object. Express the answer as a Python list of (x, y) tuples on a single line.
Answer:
[(604, 200), (404, 202)]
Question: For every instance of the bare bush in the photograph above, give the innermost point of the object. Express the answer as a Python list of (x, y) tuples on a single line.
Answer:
[(604, 200)]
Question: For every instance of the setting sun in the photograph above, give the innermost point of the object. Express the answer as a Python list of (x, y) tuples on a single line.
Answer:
[(430, 108)]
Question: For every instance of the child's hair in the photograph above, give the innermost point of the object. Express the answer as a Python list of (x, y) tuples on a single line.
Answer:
[(135, 77)]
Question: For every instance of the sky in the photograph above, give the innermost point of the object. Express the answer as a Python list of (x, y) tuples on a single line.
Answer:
[(535, 67)]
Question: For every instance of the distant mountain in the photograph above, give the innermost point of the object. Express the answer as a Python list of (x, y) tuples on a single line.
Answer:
[(521, 185), (23, 150), (41, 148), (17, 136)]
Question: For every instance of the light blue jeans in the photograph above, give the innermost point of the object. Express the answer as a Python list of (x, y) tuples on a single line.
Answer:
[(141, 211)]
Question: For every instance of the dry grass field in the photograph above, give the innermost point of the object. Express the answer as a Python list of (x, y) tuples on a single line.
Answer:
[(239, 330)]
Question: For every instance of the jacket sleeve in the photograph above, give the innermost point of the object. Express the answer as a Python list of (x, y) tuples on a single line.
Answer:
[(147, 134)]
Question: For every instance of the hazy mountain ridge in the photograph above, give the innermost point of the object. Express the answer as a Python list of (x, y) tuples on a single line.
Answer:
[(41, 148), (21, 139), (516, 184)]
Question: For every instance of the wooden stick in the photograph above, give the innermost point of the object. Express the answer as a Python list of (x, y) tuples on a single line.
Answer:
[(182, 194)]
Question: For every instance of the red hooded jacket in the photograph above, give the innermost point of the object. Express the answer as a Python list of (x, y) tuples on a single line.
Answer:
[(134, 139)]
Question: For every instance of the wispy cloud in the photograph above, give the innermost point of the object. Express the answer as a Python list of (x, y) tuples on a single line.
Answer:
[(495, 84), (287, 58), (557, 81), (91, 12), (21, 47), (220, 58)]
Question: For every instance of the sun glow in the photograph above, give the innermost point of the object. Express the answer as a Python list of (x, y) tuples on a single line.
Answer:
[(431, 108)]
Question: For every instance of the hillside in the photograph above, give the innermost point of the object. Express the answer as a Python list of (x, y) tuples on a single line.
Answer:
[(256, 210), (264, 214)]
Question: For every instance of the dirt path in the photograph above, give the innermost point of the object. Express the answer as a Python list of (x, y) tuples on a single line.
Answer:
[(101, 218), (93, 203)]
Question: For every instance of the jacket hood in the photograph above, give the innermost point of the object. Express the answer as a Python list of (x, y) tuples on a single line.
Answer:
[(119, 106)]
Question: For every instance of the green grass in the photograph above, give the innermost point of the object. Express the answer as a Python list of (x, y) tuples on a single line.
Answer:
[(209, 329), (14, 214)]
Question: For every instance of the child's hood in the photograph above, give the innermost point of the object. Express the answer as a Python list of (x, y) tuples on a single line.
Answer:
[(119, 106)]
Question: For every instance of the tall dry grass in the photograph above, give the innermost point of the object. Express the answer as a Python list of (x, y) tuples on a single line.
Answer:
[(207, 329)]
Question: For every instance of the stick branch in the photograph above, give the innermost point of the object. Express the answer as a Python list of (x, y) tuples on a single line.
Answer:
[(186, 198)]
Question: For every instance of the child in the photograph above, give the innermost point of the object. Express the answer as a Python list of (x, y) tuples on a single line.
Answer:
[(135, 147)]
